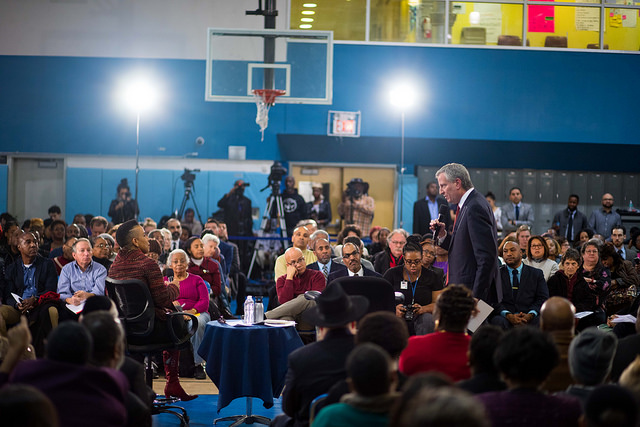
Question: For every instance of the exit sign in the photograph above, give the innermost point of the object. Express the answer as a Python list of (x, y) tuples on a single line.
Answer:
[(344, 123)]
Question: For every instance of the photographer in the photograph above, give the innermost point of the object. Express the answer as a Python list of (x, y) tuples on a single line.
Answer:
[(295, 208), (420, 287), (237, 217), (124, 207), (357, 206)]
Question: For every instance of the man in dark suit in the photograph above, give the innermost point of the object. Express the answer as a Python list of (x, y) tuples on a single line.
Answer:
[(473, 251), (427, 209), (570, 221), (351, 257), (29, 277), (325, 264), (315, 368), (522, 300)]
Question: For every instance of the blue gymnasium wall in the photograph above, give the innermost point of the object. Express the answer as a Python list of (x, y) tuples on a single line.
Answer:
[(485, 107)]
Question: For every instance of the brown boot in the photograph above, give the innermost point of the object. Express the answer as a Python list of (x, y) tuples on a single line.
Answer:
[(173, 388)]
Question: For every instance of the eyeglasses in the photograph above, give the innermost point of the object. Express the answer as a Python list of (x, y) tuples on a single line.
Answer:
[(591, 252), (346, 255), (412, 261), (398, 242), (537, 246), (297, 261)]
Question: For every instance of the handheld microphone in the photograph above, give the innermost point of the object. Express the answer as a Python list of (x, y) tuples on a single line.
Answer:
[(442, 212)]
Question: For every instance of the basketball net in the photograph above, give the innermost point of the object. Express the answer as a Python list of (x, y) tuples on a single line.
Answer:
[(265, 98)]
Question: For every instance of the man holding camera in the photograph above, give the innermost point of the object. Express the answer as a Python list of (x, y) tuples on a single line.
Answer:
[(123, 208), (357, 206)]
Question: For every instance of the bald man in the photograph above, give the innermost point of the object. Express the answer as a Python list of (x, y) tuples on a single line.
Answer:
[(557, 317), (300, 239), (292, 286)]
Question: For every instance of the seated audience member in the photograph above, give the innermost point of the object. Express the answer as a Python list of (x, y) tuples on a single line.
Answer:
[(25, 406), (30, 277), (193, 298), (300, 240), (442, 260), (538, 257), (625, 282), (132, 369), (597, 276), (442, 407), (175, 228), (103, 250), (347, 231), (79, 392), (159, 237), (590, 358), (202, 266), (429, 256), (322, 250), (554, 250), (484, 374), (352, 259), (149, 225), (108, 352), (131, 263), (391, 256), (154, 252), (67, 254), (292, 286), (383, 329), (557, 317), (610, 406), (98, 225), (189, 221), (420, 288), (184, 236), (630, 378), (584, 236), (315, 368), (83, 278), (446, 349), (523, 234), (381, 242), (58, 229), (569, 283), (9, 251), (525, 357), (358, 243), (523, 289), (627, 350), (372, 380)]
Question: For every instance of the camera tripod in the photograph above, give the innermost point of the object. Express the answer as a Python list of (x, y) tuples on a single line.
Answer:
[(188, 188), (274, 200)]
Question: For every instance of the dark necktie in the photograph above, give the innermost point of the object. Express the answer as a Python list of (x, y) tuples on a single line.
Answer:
[(570, 228), (620, 253), (517, 212), (515, 284)]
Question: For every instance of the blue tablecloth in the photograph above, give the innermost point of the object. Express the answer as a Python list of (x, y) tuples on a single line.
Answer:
[(247, 360)]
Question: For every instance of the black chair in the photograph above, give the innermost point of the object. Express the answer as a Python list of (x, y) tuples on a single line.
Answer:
[(137, 315), (377, 290)]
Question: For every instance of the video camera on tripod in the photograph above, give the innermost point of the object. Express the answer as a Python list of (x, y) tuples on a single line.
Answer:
[(275, 178), (188, 177)]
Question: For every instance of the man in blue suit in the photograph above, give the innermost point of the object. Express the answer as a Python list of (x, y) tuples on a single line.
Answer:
[(516, 213), (528, 291), (472, 246)]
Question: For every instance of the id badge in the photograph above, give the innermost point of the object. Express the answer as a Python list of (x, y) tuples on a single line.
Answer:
[(404, 285)]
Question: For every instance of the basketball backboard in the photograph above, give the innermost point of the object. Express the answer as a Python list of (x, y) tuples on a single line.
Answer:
[(240, 61)]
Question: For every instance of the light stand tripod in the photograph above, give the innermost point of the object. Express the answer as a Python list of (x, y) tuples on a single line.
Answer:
[(188, 177), (274, 200)]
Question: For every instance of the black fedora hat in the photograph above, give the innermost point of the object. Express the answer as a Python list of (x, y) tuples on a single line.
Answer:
[(334, 308)]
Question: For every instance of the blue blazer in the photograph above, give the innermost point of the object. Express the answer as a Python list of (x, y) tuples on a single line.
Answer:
[(532, 292), (473, 250)]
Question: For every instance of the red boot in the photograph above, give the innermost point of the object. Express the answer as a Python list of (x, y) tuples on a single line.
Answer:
[(173, 388)]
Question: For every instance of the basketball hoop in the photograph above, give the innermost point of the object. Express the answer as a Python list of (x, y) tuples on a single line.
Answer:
[(265, 98)]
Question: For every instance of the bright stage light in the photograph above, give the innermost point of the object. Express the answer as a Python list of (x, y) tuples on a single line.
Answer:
[(139, 93), (403, 96)]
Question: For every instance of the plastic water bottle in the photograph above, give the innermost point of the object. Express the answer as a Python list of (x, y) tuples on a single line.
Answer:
[(259, 316), (249, 311)]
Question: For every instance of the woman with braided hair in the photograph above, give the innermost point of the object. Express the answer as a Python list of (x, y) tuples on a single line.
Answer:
[(446, 349)]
